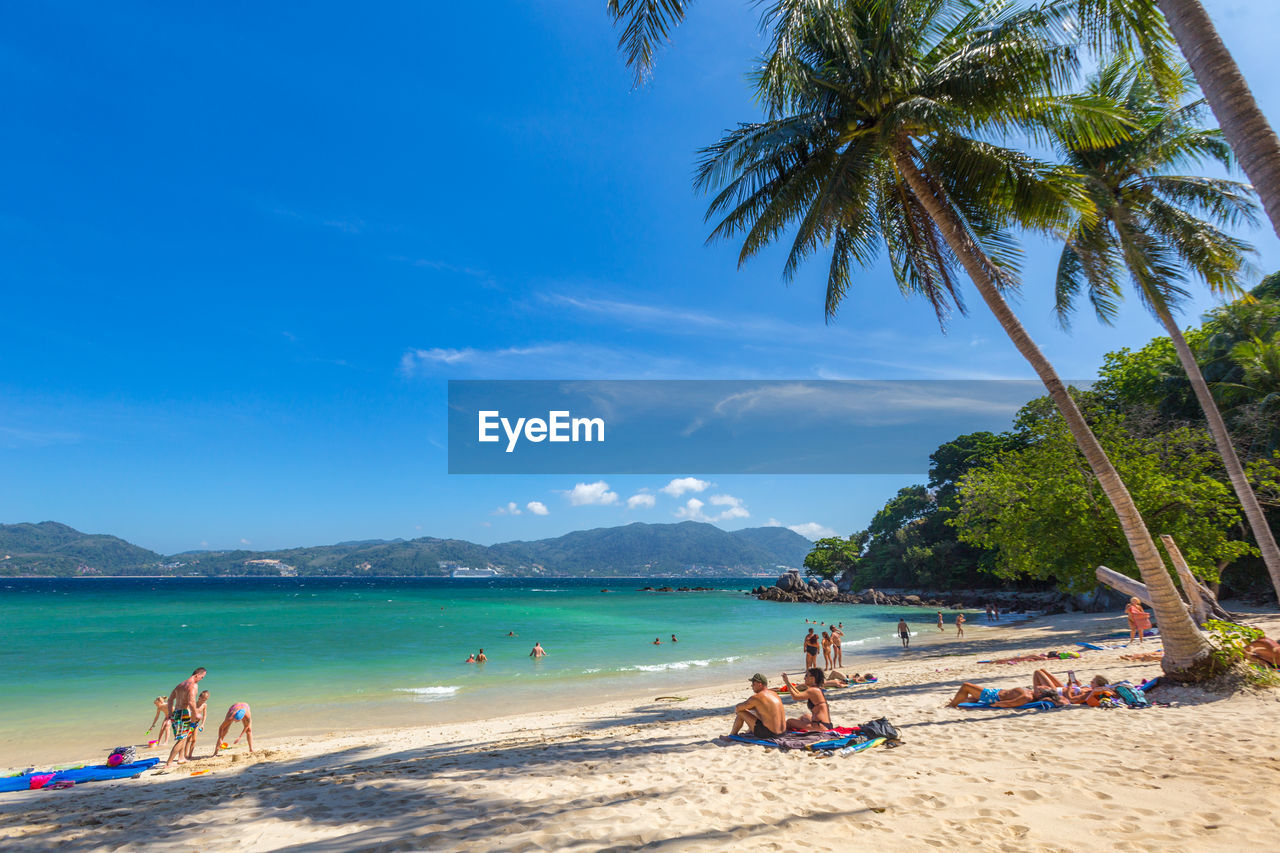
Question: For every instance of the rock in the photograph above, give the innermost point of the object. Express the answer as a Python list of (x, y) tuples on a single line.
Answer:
[(913, 601)]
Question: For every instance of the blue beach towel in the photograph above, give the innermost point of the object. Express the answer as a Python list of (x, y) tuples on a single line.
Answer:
[(1042, 705), (96, 773)]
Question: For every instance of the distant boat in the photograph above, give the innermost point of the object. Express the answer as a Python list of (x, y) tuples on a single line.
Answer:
[(465, 572)]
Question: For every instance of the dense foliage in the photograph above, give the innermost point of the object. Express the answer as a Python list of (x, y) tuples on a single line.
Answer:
[(1023, 506)]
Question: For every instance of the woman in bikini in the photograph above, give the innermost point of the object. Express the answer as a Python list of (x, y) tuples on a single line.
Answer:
[(819, 717), (826, 651)]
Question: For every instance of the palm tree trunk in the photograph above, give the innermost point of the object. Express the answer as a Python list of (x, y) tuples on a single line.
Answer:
[(1243, 124), (1235, 471), (1185, 648)]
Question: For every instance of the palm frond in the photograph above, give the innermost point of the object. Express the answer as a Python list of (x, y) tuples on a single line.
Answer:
[(646, 23)]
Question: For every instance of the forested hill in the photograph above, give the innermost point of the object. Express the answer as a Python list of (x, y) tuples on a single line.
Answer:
[(50, 548), (634, 549)]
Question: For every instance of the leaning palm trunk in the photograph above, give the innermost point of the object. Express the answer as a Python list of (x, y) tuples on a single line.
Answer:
[(1235, 471), (1185, 648), (1243, 124)]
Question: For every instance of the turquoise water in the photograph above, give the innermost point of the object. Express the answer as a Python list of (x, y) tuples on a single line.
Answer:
[(318, 655)]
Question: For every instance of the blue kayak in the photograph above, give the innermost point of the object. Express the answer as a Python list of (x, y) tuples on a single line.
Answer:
[(95, 773)]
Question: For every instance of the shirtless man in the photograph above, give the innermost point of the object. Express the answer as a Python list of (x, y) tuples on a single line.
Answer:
[(819, 717), (904, 633), (482, 657), (237, 713), (810, 649), (538, 651), (762, 713), (181, 706)]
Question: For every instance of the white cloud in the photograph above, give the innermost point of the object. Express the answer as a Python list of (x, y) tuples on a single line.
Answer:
[(537, 508), (812, 530), (679, 486), (646, 501), (693, 507), (510, 509), (245, 542), (733, 507), (588, 494), (773, 522)]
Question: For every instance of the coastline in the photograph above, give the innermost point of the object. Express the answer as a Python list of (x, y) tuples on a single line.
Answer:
[(632, 772)]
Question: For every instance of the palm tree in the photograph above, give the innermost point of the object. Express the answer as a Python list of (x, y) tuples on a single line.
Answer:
[(1148, 221), (1245, 127), (1145, 24), (878, 115)]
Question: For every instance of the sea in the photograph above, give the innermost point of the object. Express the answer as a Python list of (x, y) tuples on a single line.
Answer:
[(82, 659)]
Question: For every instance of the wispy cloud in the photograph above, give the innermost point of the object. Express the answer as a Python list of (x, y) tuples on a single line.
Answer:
[(541, 361), (512, 508), (537, 508), (693, 509)]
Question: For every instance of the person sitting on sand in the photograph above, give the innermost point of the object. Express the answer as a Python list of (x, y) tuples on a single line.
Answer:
[(1264, 650), (181, 705), (1014, 697), (237, 713), (762, 712), (162, 714), (538, 651), (1139, 621), (819, 717)]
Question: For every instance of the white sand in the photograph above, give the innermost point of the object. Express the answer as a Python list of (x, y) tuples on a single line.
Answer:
[(1200, 775)]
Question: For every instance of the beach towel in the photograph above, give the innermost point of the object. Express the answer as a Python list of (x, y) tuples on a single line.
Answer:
[(791, 740), (1041, 705), (31, 781)]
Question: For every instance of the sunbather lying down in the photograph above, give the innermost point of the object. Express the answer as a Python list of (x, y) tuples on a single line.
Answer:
[(1264, 650), (1014, 697), (1073, 691)]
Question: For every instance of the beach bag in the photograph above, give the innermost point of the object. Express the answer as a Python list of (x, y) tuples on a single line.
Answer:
[(1132, 696), (878, 728), (122, 755)]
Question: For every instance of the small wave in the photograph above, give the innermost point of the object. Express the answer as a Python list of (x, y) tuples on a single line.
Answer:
[(429, 693), (589, 671), (680, 664), (548, 590)]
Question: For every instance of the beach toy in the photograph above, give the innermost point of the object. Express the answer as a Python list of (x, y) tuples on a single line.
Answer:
[(152, 742), (198, 772), (115, 759), (224, 745)]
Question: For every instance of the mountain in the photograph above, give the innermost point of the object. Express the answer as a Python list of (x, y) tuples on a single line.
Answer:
[(635, 549), (50, 548)]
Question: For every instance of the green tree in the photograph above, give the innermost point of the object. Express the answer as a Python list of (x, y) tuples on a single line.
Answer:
[(833, 557), (1044, 514), (1147, 220), (878, 116)]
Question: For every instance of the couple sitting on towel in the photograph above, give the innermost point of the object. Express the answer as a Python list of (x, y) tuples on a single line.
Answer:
[(1044, 687), (766, 717)]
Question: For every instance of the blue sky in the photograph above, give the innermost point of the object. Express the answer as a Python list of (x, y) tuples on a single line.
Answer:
[(247, 245)]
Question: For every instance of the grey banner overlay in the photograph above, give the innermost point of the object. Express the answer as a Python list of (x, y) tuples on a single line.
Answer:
[(720, 426)]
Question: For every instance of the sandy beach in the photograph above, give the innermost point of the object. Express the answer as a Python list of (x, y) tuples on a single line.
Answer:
[(1197, 775)]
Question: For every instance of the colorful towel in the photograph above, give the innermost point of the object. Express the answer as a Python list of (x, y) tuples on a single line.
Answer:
[(1042, 705), (791, 740)]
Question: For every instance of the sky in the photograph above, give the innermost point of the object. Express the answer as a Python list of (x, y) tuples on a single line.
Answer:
[(246, 246)]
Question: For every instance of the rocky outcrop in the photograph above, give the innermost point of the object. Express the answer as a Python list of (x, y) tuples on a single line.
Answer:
[(792, 587)]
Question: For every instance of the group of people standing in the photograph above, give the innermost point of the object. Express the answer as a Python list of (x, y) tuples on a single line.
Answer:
[(829, 642), (184, 714)]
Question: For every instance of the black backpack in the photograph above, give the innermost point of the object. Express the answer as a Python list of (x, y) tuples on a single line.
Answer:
[(878, 728), (127, 754)]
